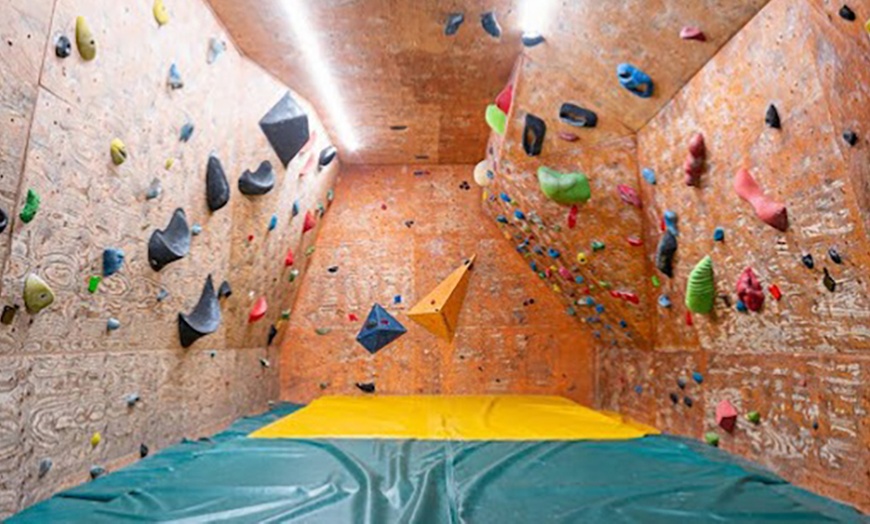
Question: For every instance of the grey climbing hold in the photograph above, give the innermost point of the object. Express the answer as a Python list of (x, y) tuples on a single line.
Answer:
[(4, 220), (63, 47), (851, 138), (170, 244), (143, 451), (162, 295), (113, 259), (203, 320), (224, 291), (216, 47), (113, 324), (533, 135), (327, 155), (577, 116), (665, 254), (835, 255), (273, 332), (532, 39), (454, 20), (847, 14), (258, 182), (132, 399), (174, 81), (195, 229), (97, 471), (154, 190), (186, 132), (490, 24), (286, 128), (366, 387), (216, 185), (681, 383), (772, 117), (44, 467)]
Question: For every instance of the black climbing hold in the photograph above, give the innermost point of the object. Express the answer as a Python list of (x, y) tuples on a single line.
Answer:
[(772, 117), (533, 135), (835, 255), (170, 244), (97, 471), (286, 127), (259, 182), (4, 220), (8, 315), (203, 320), (532, 39), (216, 186), (113, 259), (327, 155), (490, 24), (143, 451), (688, 401), (847, 14), (674, 398), (225, 290), (366, 387), (577, 116), (63, 47), (273, 332), (851, 138), (665, 254), (44, 467), (808, 261), (829, 281), (681, 383), (333, 269), (454, 20)]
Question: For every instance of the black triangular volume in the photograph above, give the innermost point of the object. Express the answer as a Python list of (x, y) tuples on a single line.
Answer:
[(216, 186), (170, 244), (203, 320), (259, 182), (286, 127), (772, 117)]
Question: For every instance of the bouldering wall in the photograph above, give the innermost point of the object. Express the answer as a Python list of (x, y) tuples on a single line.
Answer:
[(393, 234), (64, 374)]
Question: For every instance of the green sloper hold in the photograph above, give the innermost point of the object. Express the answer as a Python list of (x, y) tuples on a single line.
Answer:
[(37, 294), (31, 206), (496, 118), (564, 188), (700, 290)]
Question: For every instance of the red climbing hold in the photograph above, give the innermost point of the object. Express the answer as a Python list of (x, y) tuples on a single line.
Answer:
[(695, 161), (629, 195), (626, 295), (774, 290), (309, 223), (288, 260), (572, 217), (383, 207), (662, 225), (689, 321), (749, 290), (769, 211), (505, 98), (568, 137), (250, 238), (352, 317), (634, 241), (726, 416), (258, 311), (692, 33)]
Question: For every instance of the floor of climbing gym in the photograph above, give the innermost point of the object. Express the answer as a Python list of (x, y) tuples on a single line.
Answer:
[(499, 261)]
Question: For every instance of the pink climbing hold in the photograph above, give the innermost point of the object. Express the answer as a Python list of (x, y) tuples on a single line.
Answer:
[(692, 33), (564, 273), (629, 195), (288, 260), (258, 311), (309, 223), (504, 99), (749, 290), (726, 416), (634, 241), (568, 137), (695, 160), (769, 211)]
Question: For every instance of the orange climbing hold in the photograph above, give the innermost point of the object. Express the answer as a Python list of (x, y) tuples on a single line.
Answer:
[(309, 223), (438, 312), (258, 311)]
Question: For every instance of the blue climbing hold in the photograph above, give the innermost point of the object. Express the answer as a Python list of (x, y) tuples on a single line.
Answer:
[(295, 210), (175, 81), (505, 197), (719, 234), (379, 329), (553, 253), (162, 295), (113, 259), (649, 175), (623, 324), (599, 309), (635, 80), (638, 389), (186, 132), (741, 307), (579, 279), (590, 301), (671, 222), (697, 377), (397, 299), (273, 222), (534, 267), (664, 301), (113, 324), (501, 219), (519, 215)]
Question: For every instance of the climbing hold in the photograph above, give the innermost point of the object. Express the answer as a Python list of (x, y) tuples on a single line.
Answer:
[(264, 362), (330, 195), (289, 259), (564, 188), (143, 451), (629, 195), (309, 223), (259, 182), (772, 117), (638, 389), (694, 164), (769, 211), (490, 24), (847, 14), (154, 190), (195, 230), (692, 33), (258, 310), (31, 206), (664, 301), (62, 47), (44, 467), (162, 295), (726, 415), (174, 80), (808, 261), (186, 132), (712, 438), (85, 42), (37, 294), (216, 47), (581, 258), (160, 13), (93, 284), (118, 151), (568, 137), (323, 331), (533, 135), (273, 332), (170, 244), (273, 222), (367, 387), (775, 292), (553, 253), (741, 307), (454, 20), (577, 116), (688, 402), (4, 220), (674, 398), (829, 281), (332, 269), (8, 315), (665, 254), (851, 138), (649, 175), (379, 329), (519, 215), (597, 245), (203, 320), (224, 291), (670, 222), (327, 155), (113, 324), (749, 290), (96, 438), (635, 80), (530, 39), (438, 312), (700, 289), (496, 119), (96, 471), (634, 241), (286, 127), (505, 197), (482, 174), (397, 299), (113, 259), (293, 274), (835, 255), (505, 99), (132, 399), (681, 383), (754, 417), (697, 377), (655, 281), (719, 235)]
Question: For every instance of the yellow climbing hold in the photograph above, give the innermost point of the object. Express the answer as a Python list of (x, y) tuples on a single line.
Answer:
[(867, 26), (556, 288), (118, 150), (160, 13), (96, 438), (85, 42), (169, 162), (37, 294), (581, 258)]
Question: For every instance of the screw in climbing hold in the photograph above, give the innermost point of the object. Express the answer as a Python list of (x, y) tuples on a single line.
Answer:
[(332, 269), (719, 235), (692, 33), (697, 377), (154, 189), (143, 451), (664, 301), (323, 331), (655, 281), (94, 283), (265, 362), (161, 15), (273, 222), (63, 47), (186, 132), (597, 245), (490, 24), (829, 281), (31, 206), (519, 215), (638, 389), (397, 299), (847, 14), (835, 255), (754, 417), (712, 438), (97, 471), (216, 47), (531, 39), (775, 292), (113, 324), (366, 387), (674, 398), (649, 175), (294, 273), (553, 253), (850, 137), (681, 383), (8, 315), (118, 151), (96, 438), (670, 219), (132, 399), (174, 80), (44, 467), (688, 401), (162, 295), (741, 307), (807, 260), (771, 118)]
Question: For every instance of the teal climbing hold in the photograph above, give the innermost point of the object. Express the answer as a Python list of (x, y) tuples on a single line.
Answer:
[(273, 222), (697, 377), (564, 188), (649, 175), (597, 245), (295, 210), (496, 119), (700, 289), (31, 206), (719, 235), (186, 132)]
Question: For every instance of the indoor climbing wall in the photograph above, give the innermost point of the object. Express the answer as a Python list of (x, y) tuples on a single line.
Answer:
[(99, 376), (393, 234)]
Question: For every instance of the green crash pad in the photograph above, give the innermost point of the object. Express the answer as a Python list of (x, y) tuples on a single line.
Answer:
[(231, 478)]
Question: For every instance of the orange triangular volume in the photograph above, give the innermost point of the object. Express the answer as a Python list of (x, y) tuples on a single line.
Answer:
[(438, 312)]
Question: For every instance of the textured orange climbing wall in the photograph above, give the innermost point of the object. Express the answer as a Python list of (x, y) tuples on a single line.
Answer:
[(501, 346), (62, 376)]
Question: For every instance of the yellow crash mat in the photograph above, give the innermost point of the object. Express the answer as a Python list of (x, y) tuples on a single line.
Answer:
[(476, 417)]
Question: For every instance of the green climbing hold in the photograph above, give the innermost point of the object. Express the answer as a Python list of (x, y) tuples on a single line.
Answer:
[(496, 118), (655, 281), (94, 283), (31, 206), (285, 315), (309, 251), (293, 274), (597, 245), (37, 294), (700, 290), (322, 331), (712, 438), (754, 417), (564, 188)]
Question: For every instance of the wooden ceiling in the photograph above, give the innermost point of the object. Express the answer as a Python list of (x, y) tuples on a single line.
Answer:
[(394, 66)]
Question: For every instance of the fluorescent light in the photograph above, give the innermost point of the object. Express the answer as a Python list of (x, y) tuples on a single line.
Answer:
[(536, 15), (318, 68)]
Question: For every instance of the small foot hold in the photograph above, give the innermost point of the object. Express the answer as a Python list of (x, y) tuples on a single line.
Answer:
[(62, 47), (186, 132), (531, 39), (216, 47), (113, 259), (44, 467), (847, 14), (835, 255), (309, 223), (851, 138), (454, 20), (258, 310), (629, 195), (712, 439), (113, 324), (31, 206), (649, 175), (366, 387), (808, 261), (273, 332), (772, 117), (327, 155), (665, 252), (161, 15), (829, 281), (692, 33), (118, 151), (224, 291), (490, 24)]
